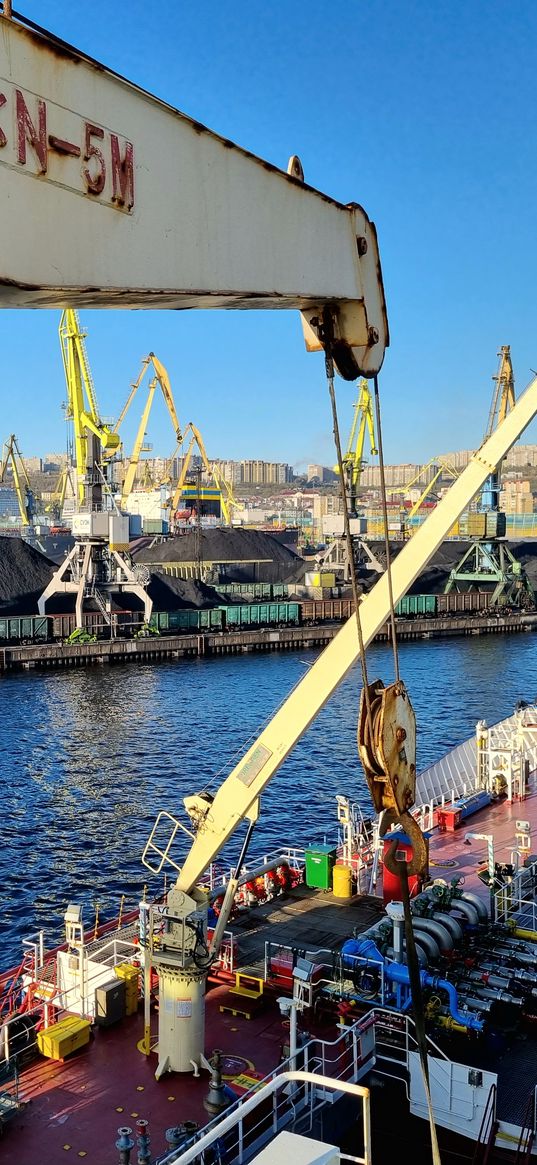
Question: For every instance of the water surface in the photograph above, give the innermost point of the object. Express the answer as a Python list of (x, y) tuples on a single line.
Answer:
[(87, 758)]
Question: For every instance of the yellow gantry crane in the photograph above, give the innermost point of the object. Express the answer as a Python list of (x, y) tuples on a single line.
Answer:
[(353, 463), (162, 380), (12, 456), (227, 499), (98, 565), (92, 437), (57, 499)]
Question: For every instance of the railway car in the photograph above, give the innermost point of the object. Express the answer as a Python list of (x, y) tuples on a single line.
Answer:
[(24, 629), (458, 603), (94, 622), (325, 610), (414, 606), (256, 589), (246, 615)]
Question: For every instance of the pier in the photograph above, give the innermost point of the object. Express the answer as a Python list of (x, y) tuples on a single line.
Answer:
[(111, 651)]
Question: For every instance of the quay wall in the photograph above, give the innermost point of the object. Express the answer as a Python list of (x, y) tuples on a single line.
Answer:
[(60, 655)]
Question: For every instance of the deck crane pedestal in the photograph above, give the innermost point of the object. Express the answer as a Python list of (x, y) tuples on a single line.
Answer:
[(98, 565), (489, 563)]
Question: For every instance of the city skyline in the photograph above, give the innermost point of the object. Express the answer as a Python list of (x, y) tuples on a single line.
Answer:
[(439, 160)]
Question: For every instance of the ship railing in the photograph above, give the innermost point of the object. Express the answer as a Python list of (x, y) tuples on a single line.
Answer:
[(528, 1131), (294, 856), (395, 1040), (424, 815), (515, 902), (489, 1127), (89, 974), (236, 1139), (318, 1073)]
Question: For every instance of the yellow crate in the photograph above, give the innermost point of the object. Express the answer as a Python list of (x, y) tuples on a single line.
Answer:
[(62, 1038), (129, 972)]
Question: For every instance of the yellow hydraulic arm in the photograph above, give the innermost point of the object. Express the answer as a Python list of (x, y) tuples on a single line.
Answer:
[(81, 399), (12, 456), (215, 820)]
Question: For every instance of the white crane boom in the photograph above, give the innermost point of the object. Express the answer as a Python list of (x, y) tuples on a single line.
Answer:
[(239, 794), (116, 199)]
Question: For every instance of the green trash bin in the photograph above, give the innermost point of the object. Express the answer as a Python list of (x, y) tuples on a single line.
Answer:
[(320, 861)]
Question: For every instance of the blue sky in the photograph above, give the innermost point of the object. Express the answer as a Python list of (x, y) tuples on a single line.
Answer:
[(425, 114)]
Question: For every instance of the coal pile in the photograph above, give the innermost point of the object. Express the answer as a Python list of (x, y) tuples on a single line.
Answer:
[(172, 594), (432, 579), (24, 574), (241, 555)]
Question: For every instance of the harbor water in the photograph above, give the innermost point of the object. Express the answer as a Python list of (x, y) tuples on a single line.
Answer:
[(88, 758)]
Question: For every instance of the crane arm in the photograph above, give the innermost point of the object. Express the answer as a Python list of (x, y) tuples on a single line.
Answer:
[(139, 440), (166, 388), (215, 820), (11, 453), (136, 205), (134, 389)]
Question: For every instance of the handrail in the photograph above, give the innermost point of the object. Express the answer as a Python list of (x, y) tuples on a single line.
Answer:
[(487, 1132), (247, 1106), (527, 1132)]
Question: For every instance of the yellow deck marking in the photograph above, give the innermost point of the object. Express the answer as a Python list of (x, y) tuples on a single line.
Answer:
[(66, 1147), (82, 1153), (135, 1114), (171, 1098), (120, 1109), (140, 1087)]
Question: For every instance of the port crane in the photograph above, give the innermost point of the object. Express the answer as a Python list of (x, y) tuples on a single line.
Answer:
[(98, 565), (227, 499), (13, 460), (173, 216), (353, 458), (489, 561), (159, 379)]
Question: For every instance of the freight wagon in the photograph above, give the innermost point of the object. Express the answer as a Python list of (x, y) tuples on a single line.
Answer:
[(169, 622), (257, 590), (456, 603), (324, 610), (24, 629), (94, 622), (231, 617), (411, 606), (261, 615)]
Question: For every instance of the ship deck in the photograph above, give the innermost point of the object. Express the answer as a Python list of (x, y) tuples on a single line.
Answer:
[(76, 1107)]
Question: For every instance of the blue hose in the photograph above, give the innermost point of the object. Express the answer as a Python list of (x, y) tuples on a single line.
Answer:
[(398, 973)]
